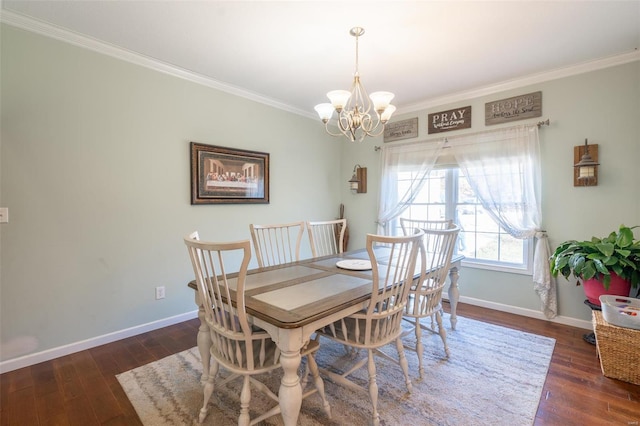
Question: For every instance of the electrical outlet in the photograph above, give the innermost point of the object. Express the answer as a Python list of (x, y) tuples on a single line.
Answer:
[(159, 292), (4, 215)]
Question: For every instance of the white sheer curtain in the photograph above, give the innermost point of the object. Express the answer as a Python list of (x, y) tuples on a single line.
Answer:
[(503, 168), (417, 158)]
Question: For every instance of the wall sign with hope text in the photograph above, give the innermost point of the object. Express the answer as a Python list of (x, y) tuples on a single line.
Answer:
[(516, 108), (453, 119)]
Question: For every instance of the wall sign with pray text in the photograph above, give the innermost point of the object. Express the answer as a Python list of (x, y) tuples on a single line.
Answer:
[(453, 119), (516, 108)]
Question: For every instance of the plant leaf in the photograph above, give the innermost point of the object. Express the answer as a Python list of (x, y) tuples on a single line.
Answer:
[(605, 248), (625, 237), (588, 271), (600, 266), (623, 253), (576, 263), (606, 281)]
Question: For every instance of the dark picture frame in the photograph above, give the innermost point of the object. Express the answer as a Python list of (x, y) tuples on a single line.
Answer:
[(221, 175)]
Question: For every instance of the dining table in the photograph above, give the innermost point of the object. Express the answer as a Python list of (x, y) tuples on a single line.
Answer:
[(293, 300)]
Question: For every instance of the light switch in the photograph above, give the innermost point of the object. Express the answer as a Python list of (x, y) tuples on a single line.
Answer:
[(4, 214)]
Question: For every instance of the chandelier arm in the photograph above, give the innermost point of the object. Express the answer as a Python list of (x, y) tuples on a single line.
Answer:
[(360, 96), (361, 138), (372, 131), (368, 125), (345, 122), (345, 126), (326, 127), (353, 134)]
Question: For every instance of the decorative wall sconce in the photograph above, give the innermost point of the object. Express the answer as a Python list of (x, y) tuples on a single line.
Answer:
[(358, 182), (586, 164)]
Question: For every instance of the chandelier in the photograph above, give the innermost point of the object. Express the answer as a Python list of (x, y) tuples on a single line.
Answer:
[(358, 114)]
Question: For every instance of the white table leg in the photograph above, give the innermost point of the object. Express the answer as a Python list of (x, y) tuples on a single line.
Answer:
[(290, 343), (290, 393), (204, 341), (454, 295)]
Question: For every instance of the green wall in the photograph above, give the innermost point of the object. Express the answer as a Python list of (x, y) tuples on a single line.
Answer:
[(95, 172)]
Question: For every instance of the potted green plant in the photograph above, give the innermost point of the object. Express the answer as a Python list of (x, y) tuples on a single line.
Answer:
[(609, 265)]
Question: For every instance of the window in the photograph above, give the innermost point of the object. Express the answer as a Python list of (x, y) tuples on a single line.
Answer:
[(445, 195), (503, 168)]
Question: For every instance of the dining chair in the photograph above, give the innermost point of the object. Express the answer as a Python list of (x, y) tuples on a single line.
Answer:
[(410, 225), (379, 323), (326, 237), (277, 244), (238, 346), (425, 294)]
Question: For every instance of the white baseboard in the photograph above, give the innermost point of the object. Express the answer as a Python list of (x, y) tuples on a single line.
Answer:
[(574, 322), (35, 358)]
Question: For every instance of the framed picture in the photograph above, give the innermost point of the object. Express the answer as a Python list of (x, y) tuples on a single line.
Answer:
[(222, 175)]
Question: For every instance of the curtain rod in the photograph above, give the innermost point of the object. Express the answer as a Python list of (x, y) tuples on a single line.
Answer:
[(538, 124)]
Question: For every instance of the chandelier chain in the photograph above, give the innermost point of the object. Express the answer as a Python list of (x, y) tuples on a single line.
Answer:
[(357, 54)]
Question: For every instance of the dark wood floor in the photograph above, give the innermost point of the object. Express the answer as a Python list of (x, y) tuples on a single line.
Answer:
[(81, 389)]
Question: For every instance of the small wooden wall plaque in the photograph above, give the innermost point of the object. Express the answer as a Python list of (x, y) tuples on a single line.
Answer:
[(453, 119), (516, 108), (361, 175), (404, 129)]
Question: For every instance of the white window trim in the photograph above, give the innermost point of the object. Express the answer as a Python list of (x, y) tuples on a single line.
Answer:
[(527, 269), (493, 265)]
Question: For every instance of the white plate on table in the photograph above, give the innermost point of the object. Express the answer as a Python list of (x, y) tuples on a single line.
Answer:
[(354, 264)]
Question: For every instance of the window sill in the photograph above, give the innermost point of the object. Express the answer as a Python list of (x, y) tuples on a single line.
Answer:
[(497, 267)]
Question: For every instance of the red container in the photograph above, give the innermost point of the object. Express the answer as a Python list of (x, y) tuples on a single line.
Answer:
[(593, 288)]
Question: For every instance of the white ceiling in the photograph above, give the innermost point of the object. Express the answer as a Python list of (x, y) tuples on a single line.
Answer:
[(292, 52)]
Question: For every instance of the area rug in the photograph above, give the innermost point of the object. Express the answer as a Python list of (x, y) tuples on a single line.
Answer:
[(494, 376)]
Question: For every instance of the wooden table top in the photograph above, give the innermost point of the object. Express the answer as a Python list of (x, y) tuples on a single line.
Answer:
[(296, 294)]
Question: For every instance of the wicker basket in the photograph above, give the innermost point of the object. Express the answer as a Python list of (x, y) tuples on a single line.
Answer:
[(619, 350)]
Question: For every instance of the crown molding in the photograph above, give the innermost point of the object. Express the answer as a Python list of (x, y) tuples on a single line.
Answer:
[(52, 31), (572, 70)]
